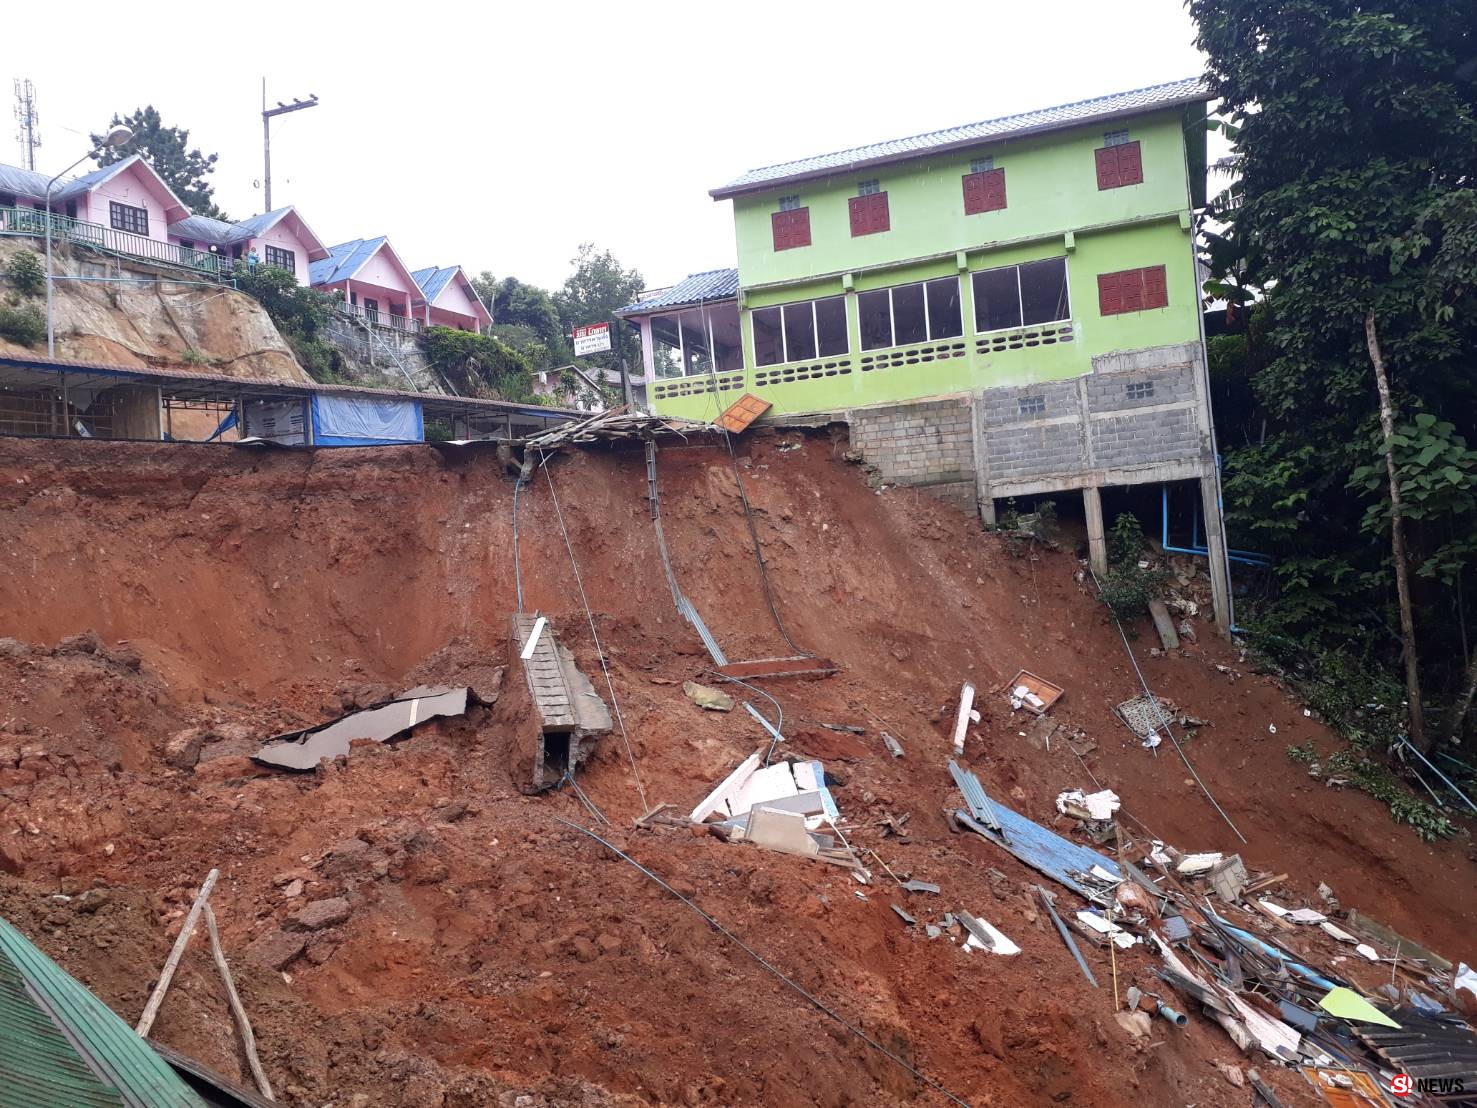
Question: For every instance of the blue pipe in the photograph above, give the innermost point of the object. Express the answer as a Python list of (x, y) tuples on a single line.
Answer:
[(1245, 557)]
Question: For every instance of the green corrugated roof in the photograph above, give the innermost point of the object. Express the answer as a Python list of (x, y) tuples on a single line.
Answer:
[(62, 1047)]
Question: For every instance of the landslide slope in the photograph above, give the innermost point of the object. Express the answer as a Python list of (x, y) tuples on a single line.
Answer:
[(490, 949)]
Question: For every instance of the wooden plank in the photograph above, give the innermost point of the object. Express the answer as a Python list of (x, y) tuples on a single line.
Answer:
[(778, 667), (248, 1040), (151, 1009), (1169, 638)]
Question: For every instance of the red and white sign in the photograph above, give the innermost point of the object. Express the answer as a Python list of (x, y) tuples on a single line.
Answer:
[(592, 338)]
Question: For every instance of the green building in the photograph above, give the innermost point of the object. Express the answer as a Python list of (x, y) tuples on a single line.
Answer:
[(1002, 309)]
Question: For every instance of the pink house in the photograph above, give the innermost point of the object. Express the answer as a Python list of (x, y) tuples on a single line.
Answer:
[(127, 196), (373, 281), (449, 300), (281, 238)]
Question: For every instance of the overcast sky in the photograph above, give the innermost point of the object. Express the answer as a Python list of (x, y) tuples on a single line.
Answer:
[(502, 136)]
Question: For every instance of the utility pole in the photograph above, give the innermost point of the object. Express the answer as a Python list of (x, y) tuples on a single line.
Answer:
[(29, 118), (267, 114)]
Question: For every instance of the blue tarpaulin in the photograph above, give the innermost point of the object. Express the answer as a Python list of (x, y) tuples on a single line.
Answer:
[(366, 421)]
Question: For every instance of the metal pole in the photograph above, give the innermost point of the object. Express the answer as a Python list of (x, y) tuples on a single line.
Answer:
[(50, 322), (266, 149)]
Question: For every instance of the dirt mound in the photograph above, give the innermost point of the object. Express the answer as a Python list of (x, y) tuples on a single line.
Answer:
[(443, 939)]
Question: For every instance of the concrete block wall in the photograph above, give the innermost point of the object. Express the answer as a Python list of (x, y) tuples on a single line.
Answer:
[(1136, 410), (928, 443)]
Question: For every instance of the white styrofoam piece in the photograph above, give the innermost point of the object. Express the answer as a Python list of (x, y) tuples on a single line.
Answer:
[(1306, 915), (1337, 933), (716, 802), (1368, 952), (532, 644), (1275, 909)]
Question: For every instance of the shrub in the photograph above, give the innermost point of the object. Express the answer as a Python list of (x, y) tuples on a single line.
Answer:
[(300, 314), (27, 273), (24, 325), (479, 364), (1129, 587)]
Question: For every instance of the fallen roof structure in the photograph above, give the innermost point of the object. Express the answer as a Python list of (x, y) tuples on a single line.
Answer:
[(61, 1045), (614, 425), (484, 418)]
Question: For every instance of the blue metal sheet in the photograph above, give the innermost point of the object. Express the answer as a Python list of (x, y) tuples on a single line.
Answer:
[(344, 260), (1046, 851), (713, 284), (432, 280)]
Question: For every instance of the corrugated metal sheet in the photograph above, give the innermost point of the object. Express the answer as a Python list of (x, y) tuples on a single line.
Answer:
[(713, 284), (1113, 106), (23, 182), (61, 1046), (1060, 859), (344, 260), (433, 279)]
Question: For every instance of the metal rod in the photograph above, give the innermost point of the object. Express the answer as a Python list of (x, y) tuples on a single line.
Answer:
[(1066, 935)]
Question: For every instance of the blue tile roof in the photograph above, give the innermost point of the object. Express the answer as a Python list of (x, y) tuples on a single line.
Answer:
[(433, 280), (344, 260), (1100, 108), (260, 224), (714, 284)]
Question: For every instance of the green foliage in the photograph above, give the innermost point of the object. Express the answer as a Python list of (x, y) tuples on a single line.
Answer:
[(23, 325), (1129, 587), (27, 273), (167, 149), (481, 365), (300, 314), (1355, 144), (524, 317), (592, 293), (1305, 754), (195, 357)]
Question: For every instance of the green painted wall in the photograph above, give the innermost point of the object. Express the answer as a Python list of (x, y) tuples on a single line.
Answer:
[(1051, 189), (1050, 184), (1160, 243)]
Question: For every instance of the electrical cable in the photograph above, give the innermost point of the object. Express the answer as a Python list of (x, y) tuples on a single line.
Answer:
[(744, 498), (779, 723), (1165, 721), (754, 954), (594, 634)]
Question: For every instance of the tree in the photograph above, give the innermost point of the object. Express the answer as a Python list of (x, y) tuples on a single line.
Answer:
[(167, 150), (1353, 122), (524, 316), (598, 286)]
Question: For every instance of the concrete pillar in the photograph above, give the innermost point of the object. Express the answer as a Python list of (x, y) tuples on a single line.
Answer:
[(1097, 540), (987, 509), (1220, 569)]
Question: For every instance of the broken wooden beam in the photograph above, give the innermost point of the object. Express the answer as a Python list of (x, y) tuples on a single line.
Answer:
[(799, 666), (151, 1009)]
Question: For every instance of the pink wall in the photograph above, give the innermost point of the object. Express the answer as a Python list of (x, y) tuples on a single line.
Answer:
[(131, 187), (381, 271), (456, 307), (283, 238)]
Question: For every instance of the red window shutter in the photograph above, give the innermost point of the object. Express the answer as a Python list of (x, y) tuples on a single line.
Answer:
[(974, 193), (1131, 288), (994, 190), (860, 212), (881, 218), (984, 191), (1156, 289), (800, 227), (790, 228), (1109, 293), (1107, 167), (1130, 163), (779, 226)]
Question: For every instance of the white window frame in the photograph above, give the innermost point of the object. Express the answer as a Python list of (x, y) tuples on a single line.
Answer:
[(1019, 300), (815, 329), (927, 316), (676, 314)]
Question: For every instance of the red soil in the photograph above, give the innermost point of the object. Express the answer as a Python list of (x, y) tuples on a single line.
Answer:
[(492, 951)]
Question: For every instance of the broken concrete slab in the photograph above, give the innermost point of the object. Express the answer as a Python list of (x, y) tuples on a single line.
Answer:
[(276, 949), (707, 698), (303, 750), (320, 914)]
